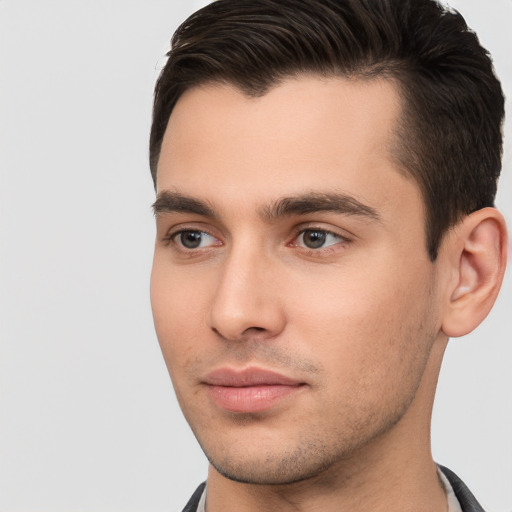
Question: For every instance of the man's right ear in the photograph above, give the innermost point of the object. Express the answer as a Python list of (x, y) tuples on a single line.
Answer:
[(477, 252)]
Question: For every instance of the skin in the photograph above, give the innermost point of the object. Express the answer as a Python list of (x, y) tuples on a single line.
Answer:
[(360, 321)]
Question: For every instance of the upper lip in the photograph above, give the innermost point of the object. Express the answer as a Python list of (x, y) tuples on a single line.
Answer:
[(231, 377)]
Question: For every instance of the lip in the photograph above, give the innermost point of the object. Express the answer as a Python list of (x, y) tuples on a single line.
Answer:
[(249, 390)]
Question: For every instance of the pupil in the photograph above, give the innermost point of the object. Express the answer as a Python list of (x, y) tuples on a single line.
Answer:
[(190, 239), (314, 239)]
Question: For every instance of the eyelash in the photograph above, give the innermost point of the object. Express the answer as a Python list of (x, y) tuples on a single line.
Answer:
[(323, 250), (171, 239)]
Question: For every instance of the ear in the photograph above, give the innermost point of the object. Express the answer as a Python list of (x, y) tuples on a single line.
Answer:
[(477, 252)]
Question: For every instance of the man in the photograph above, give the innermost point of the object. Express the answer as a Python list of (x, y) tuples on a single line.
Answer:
[(325, 174)]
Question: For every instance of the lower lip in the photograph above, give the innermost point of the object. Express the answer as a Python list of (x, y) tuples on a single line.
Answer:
[(250, 399)]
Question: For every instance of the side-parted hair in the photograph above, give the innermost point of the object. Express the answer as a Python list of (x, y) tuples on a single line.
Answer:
[(449, 136)]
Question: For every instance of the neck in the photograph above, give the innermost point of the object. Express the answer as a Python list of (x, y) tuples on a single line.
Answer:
[(394, 471)]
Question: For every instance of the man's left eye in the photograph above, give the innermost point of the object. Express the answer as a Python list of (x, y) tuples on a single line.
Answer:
[(317, 239)]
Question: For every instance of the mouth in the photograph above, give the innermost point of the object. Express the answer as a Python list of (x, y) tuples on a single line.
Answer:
[(250, 390)]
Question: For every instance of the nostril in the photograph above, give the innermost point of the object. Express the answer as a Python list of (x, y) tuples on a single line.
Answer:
[(248, 333), (253, 330)]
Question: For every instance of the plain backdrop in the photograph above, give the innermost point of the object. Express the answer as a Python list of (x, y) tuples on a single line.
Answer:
[(88, 418)]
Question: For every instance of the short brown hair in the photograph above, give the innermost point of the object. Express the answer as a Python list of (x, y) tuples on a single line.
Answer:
[(449, 138)]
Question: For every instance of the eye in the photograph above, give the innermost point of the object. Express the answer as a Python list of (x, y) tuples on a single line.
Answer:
[(317, 239), (193, 239)]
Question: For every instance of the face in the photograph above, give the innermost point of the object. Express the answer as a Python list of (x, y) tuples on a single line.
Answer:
[(292, 293)]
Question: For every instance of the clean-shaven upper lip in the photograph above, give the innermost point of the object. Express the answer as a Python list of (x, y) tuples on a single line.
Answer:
[(248, 377)]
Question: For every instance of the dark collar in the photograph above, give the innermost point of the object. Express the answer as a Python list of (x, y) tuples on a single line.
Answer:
[(191, 506), (466, 499)]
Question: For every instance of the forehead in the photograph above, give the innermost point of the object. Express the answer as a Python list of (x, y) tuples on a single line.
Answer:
[(306, 134)]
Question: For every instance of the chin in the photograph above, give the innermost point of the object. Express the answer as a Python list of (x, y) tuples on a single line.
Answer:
[(278, 466), (269, 474)]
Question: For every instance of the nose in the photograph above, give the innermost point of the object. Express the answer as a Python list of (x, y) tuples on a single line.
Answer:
[(246, 303)]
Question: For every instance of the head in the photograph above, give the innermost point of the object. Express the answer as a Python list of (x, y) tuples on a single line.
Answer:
[(324, 172), (448, 138)]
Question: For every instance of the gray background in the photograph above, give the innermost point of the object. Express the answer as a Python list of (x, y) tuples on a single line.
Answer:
[(88, 419)]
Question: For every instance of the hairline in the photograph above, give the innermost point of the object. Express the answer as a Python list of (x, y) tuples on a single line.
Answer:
[(380, 71)]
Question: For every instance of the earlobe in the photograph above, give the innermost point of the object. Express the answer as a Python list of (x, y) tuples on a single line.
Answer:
[(479, 254)]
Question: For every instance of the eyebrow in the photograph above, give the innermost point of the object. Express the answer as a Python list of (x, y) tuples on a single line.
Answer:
[(320, 202), (169, 201)]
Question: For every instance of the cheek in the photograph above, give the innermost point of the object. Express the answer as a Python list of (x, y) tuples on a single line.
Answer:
[(368, 330), (347, 304), (177, 313)]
